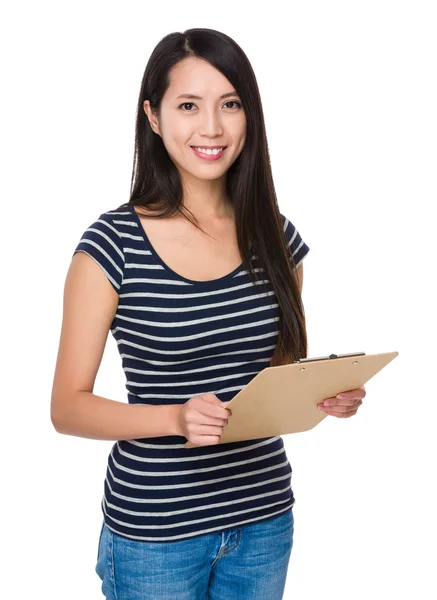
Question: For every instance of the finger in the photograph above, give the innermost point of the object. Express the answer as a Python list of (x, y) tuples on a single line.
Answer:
[(210, 408), (341, 410), (336, 409), (225, 406), (205, 440), (203, 419), (201, 429), (341, 407), (357, 394), (341, 415), (333, 402)]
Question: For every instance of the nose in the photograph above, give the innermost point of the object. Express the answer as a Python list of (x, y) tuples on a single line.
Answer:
[(211, 125)]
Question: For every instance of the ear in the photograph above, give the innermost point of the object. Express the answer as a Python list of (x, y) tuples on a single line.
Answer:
[(151, 115)]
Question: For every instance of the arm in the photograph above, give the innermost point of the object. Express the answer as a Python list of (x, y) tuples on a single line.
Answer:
[(89, 305)]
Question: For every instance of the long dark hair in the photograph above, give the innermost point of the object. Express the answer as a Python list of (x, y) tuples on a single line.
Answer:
[(156, 182)]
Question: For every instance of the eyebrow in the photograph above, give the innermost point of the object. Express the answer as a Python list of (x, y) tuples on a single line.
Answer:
[(193, 97)]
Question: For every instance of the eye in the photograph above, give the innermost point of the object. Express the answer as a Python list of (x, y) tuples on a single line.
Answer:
[(234, 102), (185, 104)]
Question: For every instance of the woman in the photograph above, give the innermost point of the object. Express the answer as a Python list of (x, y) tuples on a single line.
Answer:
[(198, 306)]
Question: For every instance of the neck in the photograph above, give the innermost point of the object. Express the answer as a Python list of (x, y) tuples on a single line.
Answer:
[(207, 199)]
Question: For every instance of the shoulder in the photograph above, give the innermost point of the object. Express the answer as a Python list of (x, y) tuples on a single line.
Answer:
[(298, 247), (122, 223), (102, 240), (289, 228), (110, 226), (287, 224)]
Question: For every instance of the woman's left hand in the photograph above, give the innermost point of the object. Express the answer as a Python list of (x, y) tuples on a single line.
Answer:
[(345, 404)]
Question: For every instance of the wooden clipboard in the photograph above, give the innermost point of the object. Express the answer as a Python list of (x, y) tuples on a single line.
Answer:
[(283, 399)]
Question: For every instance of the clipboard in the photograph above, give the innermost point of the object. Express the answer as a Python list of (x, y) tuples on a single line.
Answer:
[(283, 399)]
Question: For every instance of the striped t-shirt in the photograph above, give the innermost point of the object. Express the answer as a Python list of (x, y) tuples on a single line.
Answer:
[(178, 338)]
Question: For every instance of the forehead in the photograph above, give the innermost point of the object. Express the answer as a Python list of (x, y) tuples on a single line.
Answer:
[(196, 76)]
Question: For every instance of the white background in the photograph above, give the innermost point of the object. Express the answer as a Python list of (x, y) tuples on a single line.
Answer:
[(349, 95)]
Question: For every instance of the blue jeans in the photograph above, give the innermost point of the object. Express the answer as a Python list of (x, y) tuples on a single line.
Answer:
[(246, 563)]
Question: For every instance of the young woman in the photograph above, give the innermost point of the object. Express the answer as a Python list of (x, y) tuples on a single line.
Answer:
[(198, 306)]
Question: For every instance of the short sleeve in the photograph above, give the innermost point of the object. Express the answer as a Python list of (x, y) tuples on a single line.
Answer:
[(102, 241), (298, 248)]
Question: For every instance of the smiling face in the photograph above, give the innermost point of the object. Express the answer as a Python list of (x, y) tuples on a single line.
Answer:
[(209, 120)]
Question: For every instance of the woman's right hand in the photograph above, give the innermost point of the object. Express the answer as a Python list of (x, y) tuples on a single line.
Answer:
[(202, 418)]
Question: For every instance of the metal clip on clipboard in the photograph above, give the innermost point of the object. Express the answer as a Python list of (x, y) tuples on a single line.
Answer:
[(306, 360)]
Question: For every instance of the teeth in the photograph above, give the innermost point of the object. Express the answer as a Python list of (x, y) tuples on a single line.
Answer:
[(215, 151)]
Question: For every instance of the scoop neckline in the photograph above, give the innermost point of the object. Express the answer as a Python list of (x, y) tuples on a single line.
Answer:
[(149, 245)]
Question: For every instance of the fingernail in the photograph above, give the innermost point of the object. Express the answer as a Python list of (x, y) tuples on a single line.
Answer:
[(341, 396)]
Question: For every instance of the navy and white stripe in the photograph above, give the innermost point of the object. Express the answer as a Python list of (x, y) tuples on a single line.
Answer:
[(178, 338)]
